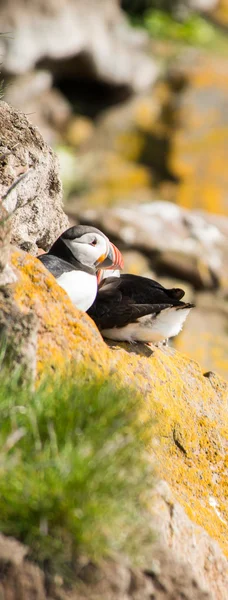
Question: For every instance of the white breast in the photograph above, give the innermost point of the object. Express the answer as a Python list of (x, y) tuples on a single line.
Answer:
[(80, 286)]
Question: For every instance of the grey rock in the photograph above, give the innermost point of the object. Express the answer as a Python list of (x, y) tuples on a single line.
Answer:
[(189, 543), (186, 244), (47, 108), (69, 28), (35, 203)]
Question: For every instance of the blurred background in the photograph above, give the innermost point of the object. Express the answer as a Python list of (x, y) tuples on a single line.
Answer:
[(133, 97)]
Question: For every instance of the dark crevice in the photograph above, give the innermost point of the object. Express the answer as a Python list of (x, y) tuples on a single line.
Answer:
[(78, 81), (178, 443)]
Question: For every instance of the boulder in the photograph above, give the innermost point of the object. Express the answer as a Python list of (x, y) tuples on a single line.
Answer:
[(189, 433), (27, 162), (95, 32), (179, 242)]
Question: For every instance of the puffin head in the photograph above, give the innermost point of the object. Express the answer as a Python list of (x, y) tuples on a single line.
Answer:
[(92, 248)]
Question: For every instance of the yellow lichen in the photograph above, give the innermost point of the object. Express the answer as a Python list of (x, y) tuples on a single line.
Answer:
[(189, 411), (199, 144)]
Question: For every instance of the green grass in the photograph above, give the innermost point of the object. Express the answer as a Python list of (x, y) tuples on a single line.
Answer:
[(74, 475)]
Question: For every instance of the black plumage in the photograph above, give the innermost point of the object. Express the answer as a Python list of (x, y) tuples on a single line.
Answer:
[(56, 265), (123, 300)]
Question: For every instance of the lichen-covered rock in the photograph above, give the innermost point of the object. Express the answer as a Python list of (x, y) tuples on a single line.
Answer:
[(189, 434), (25, 155), (64, 333), (178, 130), (200, 142)]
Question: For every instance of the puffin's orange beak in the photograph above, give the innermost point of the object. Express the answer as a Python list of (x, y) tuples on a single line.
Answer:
[(113, 260), (116, 257)]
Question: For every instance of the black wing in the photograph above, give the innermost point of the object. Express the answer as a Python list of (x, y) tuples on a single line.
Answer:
[(142, 289), (113, 308), (122, 300), (57, 266), (108, 314)]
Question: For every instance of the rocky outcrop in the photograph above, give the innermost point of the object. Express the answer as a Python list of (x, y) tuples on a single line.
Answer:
[(27, 161), (94, 34), (188, 436), (167, 579)]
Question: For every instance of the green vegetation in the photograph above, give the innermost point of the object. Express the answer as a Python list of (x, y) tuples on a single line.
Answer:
[(164, 24), (74, 475), (193, 30)]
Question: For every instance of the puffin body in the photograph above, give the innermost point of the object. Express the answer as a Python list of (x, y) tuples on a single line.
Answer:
[(137, 309), (75, 258)]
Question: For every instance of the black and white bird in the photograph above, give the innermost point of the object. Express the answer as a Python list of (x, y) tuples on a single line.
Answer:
[(75, 258), (138, 309)]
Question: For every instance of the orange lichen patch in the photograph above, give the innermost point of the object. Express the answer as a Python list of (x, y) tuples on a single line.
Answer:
[(190, 433), (64, 332), (199, 145), (189, 429)]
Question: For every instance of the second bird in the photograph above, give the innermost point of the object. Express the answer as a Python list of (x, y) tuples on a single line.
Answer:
[(138, 309)]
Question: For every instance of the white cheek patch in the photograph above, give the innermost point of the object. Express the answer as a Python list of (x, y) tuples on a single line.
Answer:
[(84, 251)]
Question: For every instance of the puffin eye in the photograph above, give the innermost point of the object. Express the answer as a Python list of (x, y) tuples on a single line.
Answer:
[(94, 242)]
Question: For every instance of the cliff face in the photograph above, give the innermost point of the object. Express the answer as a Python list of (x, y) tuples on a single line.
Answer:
[(189, 408)]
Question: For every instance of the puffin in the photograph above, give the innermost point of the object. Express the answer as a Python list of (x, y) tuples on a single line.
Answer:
[(132, 308), (75, 258)]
